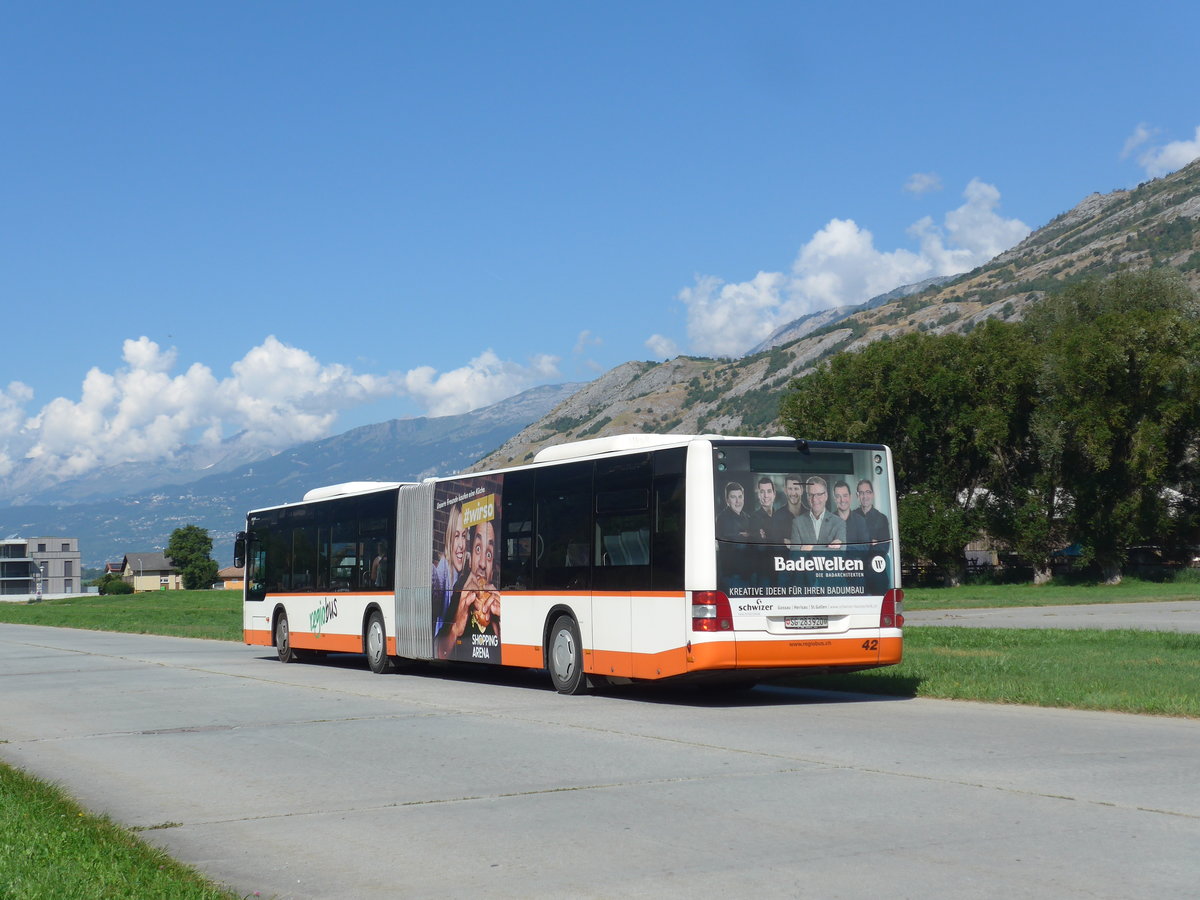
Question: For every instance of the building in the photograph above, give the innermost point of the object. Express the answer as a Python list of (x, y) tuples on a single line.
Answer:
[(151, 571), (45, 566), (232, 578)]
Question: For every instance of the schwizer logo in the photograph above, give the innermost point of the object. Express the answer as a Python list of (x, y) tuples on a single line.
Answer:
[(321, 615), (818, 564), (756, 607)]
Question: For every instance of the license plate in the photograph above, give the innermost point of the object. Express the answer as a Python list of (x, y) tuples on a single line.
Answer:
[(806, 622)]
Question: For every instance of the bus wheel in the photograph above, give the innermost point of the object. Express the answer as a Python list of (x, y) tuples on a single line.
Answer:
[(283, 641), (377, 657), (565, 657)]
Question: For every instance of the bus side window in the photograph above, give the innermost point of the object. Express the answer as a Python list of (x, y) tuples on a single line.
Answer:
[(376, 528), (667, 538), (622, 551), (562, 542), (304, 557), (516, 548)]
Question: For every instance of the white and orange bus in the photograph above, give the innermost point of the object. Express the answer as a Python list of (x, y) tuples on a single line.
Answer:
[(622, 558)]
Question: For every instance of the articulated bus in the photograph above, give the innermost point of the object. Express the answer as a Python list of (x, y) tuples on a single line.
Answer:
[(634, 557)]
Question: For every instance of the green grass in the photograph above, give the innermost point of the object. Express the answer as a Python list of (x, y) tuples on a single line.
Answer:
[(215, 615), (980, 596), (51, 849), (1150, 672)]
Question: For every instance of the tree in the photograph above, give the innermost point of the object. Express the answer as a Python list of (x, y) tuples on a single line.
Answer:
[(1117, 417), (948, 409), (189, 550)]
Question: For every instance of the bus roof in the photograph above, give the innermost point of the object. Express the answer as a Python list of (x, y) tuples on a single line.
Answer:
[(349, 487), (618, 443)]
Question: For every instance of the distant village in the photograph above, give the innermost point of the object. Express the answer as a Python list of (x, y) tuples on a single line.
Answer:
[(49, 568)]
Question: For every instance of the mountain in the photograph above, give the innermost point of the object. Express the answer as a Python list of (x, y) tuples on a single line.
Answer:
[(1154, 224), (806, 325), (399, 450), (28, 485)]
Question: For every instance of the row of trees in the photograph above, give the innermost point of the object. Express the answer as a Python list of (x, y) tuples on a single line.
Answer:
[(1080, 424)]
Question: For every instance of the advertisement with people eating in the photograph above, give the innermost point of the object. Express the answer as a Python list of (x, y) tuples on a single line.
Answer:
[(466, 560)]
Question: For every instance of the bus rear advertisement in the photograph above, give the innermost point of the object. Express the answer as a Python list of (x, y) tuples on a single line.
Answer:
[(635, 557)]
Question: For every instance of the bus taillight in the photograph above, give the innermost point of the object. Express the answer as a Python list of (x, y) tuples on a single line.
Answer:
[(891, 615), (711, 611)]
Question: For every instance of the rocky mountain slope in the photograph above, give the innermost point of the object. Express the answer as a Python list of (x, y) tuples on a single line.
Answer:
[(1155, 224)]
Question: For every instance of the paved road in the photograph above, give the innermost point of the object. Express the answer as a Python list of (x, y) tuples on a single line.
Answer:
[(1170, 615), (325, 781)]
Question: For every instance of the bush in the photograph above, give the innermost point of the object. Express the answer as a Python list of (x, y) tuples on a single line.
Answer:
[(116, 586), (1187, 576)]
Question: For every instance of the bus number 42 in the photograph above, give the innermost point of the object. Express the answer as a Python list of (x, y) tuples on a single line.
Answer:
[(872, 644)]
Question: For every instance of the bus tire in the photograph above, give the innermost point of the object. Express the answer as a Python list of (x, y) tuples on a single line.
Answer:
[(283, 641), (375, 641), (564, 657)]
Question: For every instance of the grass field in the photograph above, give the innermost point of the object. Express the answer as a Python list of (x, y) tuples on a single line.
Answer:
[(214, 615), (1148, 672), (51, 849), (980, 596)]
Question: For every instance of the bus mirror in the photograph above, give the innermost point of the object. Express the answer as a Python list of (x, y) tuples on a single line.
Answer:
[(239, 549)]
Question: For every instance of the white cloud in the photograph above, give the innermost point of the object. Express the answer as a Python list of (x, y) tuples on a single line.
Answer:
[(587, 339), (662, 347), (923, 183), (725, 319), (841, 266), (1170, 157), (12, 419), (485, 379), (276, 395), (1140, 135)]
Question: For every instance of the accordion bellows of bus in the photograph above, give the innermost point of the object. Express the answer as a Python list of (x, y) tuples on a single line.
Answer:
[(633, 557)]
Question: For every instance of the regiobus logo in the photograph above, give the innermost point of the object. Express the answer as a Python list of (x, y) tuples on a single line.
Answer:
[(321, 615)]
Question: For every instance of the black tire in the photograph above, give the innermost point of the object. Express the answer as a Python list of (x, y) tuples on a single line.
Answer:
[(375, 643), (564, 657), (283, 641)]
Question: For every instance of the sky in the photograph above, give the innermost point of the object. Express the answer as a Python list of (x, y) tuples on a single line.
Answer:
[(286, 219)]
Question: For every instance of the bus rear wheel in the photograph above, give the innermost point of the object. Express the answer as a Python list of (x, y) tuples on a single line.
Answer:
[(376, 644), (564, 657), (283, 641)]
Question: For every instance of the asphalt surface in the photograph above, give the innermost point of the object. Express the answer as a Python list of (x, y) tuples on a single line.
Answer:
[(1171, 615), (322, 780)]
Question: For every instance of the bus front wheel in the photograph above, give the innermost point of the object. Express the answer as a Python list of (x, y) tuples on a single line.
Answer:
[(564, 657), (283, 641), (376, 641)]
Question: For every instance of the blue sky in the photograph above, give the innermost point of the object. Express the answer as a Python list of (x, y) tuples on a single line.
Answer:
[(292, 218)]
